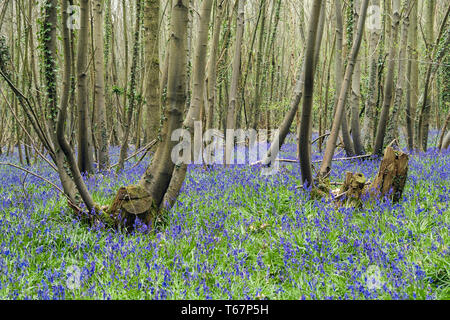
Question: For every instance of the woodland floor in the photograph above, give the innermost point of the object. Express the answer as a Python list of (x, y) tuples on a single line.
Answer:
[(233, 234)]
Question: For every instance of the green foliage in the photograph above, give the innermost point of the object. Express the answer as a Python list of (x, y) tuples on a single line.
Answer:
[(117, 90)]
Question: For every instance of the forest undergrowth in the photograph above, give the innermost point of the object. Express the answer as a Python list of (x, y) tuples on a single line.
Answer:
[(233, 234)]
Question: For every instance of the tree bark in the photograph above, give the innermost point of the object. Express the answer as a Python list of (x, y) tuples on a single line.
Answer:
[(348, 145), (392, 131), (389, 82), (424, 120), (102, 139), (356, 96), (152, 91), (446, 142), (133, 88), (84, 158), (158, 175), (212, 67), (369, 123), (413, 76), (304, 140), (231, 120), (339, 112)]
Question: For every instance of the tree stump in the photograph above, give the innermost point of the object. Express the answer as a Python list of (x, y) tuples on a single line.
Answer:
[(391, 175), (352, 189), (389, 181), (130, 203)]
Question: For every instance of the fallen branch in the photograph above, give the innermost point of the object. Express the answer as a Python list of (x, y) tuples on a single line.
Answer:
[(348, 158), (318, 161)]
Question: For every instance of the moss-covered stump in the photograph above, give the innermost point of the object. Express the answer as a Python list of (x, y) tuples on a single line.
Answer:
[(321, 189), (130, 203), (351, 191), (391, 176)]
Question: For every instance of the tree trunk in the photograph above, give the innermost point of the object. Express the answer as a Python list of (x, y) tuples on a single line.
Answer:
[(158, 175), (152, 91), (391, 177), (443, 130), (84, 159), (356, 95), (212, 67), (413, 76), (424, 120), (259, 62), (231, 120), (389, 82), (304, 139), (196, 104), (368, 124), (348, 145), (339, 113), (102, 139), (392, 131), (132, 99), (446, 142)]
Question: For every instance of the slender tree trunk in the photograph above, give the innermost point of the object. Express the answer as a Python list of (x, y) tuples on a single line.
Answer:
[(212, 67), (369, 123), (84, 159), (259, 62), (389, 81), (356, 95), (133, 86), (392, 131), (102, 139), (446, 142), (424, 120), (199, 67), (231, 117), (152, 92), (413, 76), (331, 142), (306, 120), (126, 66), (443, 130), (348, 145), (60, 130)]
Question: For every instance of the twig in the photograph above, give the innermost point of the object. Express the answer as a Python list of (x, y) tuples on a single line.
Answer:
[(34, 174), (322, 136), (341, 195), (25, 192), (141, 158), (146, 148), (392, 143), (27, 133)]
